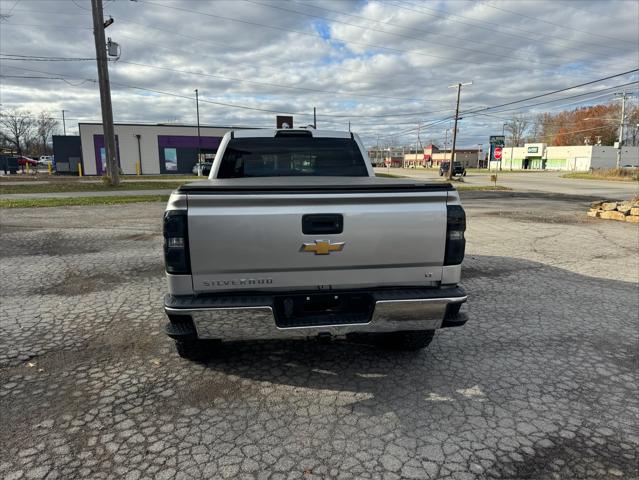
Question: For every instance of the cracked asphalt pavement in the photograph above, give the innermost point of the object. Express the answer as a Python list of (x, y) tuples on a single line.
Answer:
[(541, 383)]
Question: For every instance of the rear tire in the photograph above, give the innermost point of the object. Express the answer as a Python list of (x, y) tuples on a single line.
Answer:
[(408, 341), (194, 349)]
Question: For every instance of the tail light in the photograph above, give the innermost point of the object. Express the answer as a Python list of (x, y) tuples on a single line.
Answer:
[(455, 241), (176, 243)]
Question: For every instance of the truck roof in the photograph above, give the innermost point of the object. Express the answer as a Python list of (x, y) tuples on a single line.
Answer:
[(271, 132)]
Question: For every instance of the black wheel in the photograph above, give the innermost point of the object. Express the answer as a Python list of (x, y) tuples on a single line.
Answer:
[(464, 174), (408, 341), (195, 349)]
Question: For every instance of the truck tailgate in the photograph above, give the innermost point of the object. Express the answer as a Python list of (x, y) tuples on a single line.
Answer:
[(251, 238)]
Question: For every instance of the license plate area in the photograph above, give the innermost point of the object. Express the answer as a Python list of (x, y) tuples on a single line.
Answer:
[(313, 310)]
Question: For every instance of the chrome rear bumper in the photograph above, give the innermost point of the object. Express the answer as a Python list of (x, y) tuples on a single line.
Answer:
[(244, 318)]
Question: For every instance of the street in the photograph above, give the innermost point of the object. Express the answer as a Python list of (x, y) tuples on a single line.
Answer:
[(550, 182), (540, 383)]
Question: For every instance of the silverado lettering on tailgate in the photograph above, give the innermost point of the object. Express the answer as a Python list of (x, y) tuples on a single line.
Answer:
[(239, 282)]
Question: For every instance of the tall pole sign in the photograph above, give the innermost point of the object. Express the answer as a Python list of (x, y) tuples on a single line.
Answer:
[(496, 148)]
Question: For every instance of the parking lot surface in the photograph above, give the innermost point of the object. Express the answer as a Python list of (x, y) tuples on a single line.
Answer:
[(550, 182), (541, 383)]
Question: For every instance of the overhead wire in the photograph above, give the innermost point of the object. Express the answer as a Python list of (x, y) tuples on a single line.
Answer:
[(37, 58), (429, 41), (464, 61), (563, 26), (230, 105), (269, 84), (494, 28)]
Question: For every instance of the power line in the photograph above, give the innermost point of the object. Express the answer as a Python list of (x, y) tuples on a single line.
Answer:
[(562, 98), (424, 32), (315, 35), (492, 29), (563, 26), (230, 105), (28, 76), (252, 82), (44, 25), (49, 12), (476, 112), (34, 58), (555, 91), (278, 70), (160, 92), (390, 33), (80, 6), (12, 8)]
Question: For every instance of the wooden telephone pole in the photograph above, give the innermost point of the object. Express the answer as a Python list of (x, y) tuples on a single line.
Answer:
[(452, 153), (105, 93)]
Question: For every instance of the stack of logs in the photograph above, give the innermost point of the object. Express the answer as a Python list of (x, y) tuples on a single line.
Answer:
[(627, 211)]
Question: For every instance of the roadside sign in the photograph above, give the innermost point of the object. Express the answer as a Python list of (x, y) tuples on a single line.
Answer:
[(496, 147), (497, 140)]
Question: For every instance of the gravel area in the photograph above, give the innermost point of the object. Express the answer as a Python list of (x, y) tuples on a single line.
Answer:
[(541, 383)]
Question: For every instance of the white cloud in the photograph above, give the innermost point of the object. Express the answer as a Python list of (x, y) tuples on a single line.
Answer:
[(426, 47)]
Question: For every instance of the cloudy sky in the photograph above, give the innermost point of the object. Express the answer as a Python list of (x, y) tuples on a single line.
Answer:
[(385, 66)]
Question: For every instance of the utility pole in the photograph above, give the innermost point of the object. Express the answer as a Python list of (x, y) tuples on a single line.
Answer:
[(503, 134), (479, 154), (419, 144), (445, 146), (64, 124), (452, 158), (314, 118), (105, 92), (622, 121), (197, 110), (349, 126)]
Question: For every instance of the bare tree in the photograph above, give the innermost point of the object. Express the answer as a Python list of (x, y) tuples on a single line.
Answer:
[(536, 129), (517, 127), (46, 126), (632, 120), (17, 128)]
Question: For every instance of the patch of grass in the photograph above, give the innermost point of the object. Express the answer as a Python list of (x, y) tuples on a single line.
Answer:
[(88, 187), (389, 175), (492, 188), (614, 174), (88, 201), (44, 177), (504, 171)]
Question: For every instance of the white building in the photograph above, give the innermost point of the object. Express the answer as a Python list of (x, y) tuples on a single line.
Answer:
[(577, 158), (149, 149)]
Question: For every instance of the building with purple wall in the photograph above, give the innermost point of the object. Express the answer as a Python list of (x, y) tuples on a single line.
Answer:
[(151, 149)]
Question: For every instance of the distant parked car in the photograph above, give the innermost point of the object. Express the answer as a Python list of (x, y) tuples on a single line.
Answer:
[(27, 161), (206, 168), (45, 160), (458, 169)]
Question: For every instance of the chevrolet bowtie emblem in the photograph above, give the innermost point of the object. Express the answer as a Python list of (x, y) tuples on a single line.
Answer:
[(323, 247)]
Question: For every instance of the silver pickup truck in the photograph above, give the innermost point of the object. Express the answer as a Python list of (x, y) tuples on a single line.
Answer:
[(292, 236)]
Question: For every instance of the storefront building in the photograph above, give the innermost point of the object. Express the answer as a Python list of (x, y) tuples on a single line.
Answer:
[(150, 149), (575, 158)]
